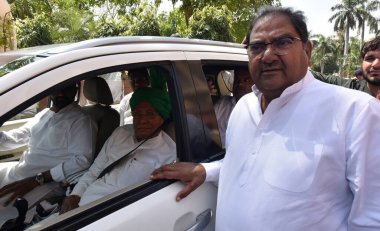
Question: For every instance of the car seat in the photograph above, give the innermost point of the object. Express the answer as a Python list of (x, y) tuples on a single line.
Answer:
[(108, 119)]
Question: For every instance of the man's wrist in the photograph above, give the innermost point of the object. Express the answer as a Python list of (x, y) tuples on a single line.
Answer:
[(40, 178), (43, 177)]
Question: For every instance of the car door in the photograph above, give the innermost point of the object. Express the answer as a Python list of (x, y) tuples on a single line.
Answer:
[(151, 205)]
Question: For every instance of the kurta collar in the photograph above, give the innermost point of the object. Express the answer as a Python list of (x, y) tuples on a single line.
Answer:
[(67, 108), (291, 90)]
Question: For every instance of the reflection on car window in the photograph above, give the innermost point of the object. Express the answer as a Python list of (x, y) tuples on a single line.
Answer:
[(16, 64)]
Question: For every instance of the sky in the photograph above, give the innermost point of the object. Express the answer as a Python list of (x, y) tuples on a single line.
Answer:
[(317, 13)]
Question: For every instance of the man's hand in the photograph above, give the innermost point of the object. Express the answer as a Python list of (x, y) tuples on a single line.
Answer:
[(18, 189), (71, 202), (191, 174)]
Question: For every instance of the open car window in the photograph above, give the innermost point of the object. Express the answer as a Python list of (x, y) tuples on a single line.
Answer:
[(121, 139)]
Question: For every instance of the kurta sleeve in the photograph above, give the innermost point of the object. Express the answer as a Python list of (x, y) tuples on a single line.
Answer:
[(19, 137), (363, 175), (81, 144), (212, 171)]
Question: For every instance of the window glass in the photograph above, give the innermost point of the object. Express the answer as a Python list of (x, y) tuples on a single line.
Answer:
[(228, 92), (142, 145)]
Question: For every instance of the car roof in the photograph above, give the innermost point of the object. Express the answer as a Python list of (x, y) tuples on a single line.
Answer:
[(108, 41), (8, 56), (112, 45)]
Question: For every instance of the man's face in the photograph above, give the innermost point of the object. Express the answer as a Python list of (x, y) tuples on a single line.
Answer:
[(63, 97), (371, 67), (139, 80), (242, 83), (145, 120), (273, 73)]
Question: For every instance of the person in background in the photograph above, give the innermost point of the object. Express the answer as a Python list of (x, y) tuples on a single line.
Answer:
[(282, 160), (139, 78), (370, 54), (242, 85), (359, 74)]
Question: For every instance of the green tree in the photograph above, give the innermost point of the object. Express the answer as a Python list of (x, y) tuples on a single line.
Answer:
[(347, 15), (172, 23), (365, 8), (354, 58), (144, 20), (242, 11), (211, 23), (34, 31), (323, 52)]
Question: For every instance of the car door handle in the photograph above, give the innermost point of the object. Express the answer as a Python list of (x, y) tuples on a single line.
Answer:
[(202, 221)]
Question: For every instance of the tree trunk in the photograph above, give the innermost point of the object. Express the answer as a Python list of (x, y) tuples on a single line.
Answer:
[(322, 68), (346, 43), (362, 35)]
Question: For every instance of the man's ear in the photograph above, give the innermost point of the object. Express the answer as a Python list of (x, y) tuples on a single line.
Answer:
[(308, 47)]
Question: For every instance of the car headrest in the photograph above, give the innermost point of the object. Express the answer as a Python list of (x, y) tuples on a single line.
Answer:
[(98, 91)]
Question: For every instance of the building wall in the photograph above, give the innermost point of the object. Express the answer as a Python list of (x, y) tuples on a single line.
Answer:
[(6, 15)]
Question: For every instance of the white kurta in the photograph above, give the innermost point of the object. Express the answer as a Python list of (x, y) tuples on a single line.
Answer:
[(125, 110), (133, 170), (310, 162), (223, 109), (61, 142)]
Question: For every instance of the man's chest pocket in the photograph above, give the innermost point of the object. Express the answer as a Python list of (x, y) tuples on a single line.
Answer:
[(292, 166)]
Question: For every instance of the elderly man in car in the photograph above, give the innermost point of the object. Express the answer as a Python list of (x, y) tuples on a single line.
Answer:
[(131, 153)]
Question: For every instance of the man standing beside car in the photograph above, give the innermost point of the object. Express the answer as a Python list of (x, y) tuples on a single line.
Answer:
[(283, 161), (61, 142)]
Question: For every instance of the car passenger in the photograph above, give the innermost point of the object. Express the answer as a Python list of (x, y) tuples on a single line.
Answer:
[(242, 85), (141, 148), (139, 78), (60, 141)]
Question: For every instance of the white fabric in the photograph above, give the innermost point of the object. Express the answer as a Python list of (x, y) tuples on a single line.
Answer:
[(223, 109), (310, 162), (61, 142), (152, 154), (125, 110)]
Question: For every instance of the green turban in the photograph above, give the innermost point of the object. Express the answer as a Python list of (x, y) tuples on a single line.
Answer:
[(158, 99)]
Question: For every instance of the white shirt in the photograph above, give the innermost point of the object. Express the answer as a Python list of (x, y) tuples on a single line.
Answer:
[(310, 162), (125, 110), (223, 109), (137, 168), (61, 142)]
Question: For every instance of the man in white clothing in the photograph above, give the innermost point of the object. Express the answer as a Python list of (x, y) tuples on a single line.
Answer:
[(60, 143), (301, 154), (242, 85), (150, 109)]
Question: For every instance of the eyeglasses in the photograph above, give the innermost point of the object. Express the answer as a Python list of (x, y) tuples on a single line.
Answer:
[(280, 46)]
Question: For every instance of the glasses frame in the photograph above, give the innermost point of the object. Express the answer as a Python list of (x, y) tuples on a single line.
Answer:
[(275, 49)]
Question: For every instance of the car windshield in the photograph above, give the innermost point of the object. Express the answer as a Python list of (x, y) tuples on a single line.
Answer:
[(16, 64)]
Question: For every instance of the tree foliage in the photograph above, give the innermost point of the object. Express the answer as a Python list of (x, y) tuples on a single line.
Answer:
[(212, 23), (34, 31)]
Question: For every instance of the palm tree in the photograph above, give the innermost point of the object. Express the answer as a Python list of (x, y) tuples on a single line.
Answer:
[(366, 8), (346, 16), (322, 50)]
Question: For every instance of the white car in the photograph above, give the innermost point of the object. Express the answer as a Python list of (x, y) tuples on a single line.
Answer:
[(187, 66)]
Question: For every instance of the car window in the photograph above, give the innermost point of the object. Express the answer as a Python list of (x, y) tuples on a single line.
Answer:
[(140, 166), (220, 79)]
